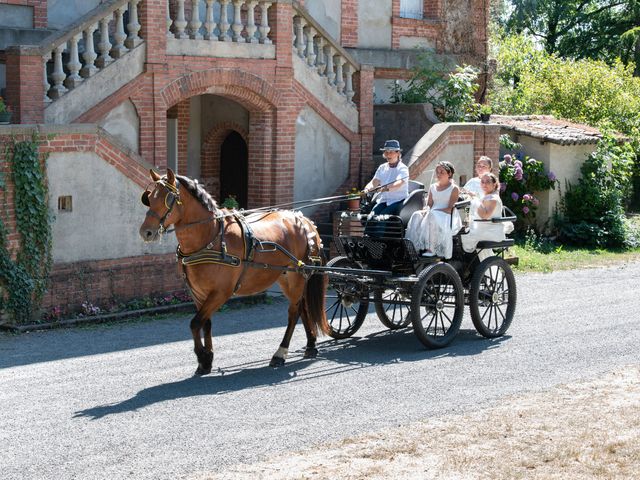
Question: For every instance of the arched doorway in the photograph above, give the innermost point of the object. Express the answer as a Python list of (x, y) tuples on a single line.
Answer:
[(234, 168)]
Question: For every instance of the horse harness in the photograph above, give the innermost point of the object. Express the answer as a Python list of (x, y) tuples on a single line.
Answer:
[(209, 255)]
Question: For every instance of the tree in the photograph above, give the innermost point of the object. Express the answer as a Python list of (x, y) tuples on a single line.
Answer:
[(597, 29)]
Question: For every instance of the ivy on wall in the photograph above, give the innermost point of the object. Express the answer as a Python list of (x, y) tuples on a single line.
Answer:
[(23, 281)]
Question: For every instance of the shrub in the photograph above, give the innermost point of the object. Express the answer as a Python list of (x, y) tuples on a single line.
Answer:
[(520, 180), (450, 90), (592, 211)]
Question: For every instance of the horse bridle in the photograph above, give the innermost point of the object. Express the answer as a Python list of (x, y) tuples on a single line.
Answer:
[(171, 199)]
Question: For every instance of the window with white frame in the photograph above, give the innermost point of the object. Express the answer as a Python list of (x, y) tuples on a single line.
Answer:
[(411, 8)]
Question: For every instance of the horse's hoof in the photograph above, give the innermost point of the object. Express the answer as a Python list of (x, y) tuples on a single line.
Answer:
[(311, 353), (202, 371), (276, 362)]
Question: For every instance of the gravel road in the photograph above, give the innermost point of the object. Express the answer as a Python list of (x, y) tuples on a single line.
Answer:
[(119, 401)]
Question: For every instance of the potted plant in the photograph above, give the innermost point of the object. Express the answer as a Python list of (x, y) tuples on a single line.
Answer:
[(353, 199), (485, 113), (231, 203), (5, 112)]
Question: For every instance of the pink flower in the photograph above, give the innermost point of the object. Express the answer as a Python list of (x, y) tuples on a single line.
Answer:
[(518, 164), (515, 196), (518, 174), (507, 159), (551, 176), (527, 197), (525, 210), (532, 161), (536, 201)]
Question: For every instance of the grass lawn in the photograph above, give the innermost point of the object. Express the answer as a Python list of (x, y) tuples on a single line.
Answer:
[(566, 258)]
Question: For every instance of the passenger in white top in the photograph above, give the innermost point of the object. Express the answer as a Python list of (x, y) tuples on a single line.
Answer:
[(473, 189), (432, 228), (486, 208), (393, 176)]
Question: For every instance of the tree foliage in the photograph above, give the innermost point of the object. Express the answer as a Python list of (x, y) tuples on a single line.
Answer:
[(597, 29)]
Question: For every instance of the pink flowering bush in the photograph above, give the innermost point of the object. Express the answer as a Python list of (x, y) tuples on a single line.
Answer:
[(519, 182)]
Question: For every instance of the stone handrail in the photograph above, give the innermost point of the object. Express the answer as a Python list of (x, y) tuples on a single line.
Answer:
[(79, 36), (218, 24), (323, 53)]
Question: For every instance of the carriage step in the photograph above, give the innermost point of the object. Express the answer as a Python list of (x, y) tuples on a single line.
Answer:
[(512, 260), (411, 279)]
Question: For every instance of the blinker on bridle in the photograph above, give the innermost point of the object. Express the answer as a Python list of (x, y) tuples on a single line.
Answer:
[(170, 200)]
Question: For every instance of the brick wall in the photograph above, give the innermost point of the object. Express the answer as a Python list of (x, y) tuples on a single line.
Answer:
[(104, 282), (349, 23), (210, 155)]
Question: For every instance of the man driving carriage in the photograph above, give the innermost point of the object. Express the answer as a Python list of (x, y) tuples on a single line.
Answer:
[(393, 177)]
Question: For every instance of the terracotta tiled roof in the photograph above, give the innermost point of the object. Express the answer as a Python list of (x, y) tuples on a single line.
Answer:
[(549, 129)]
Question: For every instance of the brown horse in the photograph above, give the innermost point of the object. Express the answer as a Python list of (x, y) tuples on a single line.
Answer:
[(222, 253)]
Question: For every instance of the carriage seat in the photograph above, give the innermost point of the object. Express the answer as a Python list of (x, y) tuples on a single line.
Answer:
[(413, 203)]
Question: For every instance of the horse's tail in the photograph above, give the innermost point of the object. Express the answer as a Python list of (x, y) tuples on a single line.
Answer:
[(316, 285), (314, 298)]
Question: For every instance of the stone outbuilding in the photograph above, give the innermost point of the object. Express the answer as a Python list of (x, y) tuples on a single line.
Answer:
[(561, 145)]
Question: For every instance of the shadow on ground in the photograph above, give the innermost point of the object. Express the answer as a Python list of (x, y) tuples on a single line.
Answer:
[(378, 348)]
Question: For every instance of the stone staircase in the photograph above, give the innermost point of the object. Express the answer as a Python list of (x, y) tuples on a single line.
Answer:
[(95, 56)]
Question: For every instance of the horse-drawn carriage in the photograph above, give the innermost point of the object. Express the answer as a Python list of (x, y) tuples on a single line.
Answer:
[(223, 252), (428, 292)]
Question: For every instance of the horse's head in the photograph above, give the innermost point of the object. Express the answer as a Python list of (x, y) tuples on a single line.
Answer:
[(164, 206)]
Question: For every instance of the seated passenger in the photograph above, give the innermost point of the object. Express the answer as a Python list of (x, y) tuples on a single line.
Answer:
[(487, 207), (472, 187), (432, 228)]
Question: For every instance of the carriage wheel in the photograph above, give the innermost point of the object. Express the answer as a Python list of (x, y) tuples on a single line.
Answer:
[(492, 297), (347, 306), (391, 314), (437, 305)]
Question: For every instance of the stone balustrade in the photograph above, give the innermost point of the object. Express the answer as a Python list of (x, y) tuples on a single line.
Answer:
[(89, 45), (323, 54), (239, 21)]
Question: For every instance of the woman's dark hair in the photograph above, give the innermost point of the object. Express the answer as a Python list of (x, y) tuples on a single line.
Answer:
[(448, 166)]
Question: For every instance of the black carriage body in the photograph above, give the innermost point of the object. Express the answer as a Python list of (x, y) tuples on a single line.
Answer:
[(428, 292)]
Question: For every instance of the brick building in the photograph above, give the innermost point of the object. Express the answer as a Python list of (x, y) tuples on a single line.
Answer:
[(269, 101)]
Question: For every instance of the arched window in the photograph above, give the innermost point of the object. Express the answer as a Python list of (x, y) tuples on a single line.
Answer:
[(411, 8)]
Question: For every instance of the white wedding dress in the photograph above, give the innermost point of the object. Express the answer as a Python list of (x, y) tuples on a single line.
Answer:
[(432, 229)]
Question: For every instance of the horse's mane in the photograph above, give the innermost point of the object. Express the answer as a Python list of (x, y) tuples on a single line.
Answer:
[(198, 192)]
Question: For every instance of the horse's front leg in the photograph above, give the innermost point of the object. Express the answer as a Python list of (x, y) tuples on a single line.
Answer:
[(202, 322)]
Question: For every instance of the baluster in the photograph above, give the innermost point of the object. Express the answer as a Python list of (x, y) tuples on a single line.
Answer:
[(251, 21), (47, 85), (89, 54), (104, 46), (320, 62), (119, 36), (133, 40), (195, 23), (299, 25), (169, 21), (339, 74), (73, 79), (224, 21), (264, 27), (209, 24), (237, 26), (348, 73), (58, 74), (180, 23), (311, 55), (331, 75)]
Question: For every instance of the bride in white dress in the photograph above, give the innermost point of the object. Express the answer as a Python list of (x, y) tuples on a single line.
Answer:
[(432, 228), (488, 207)]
